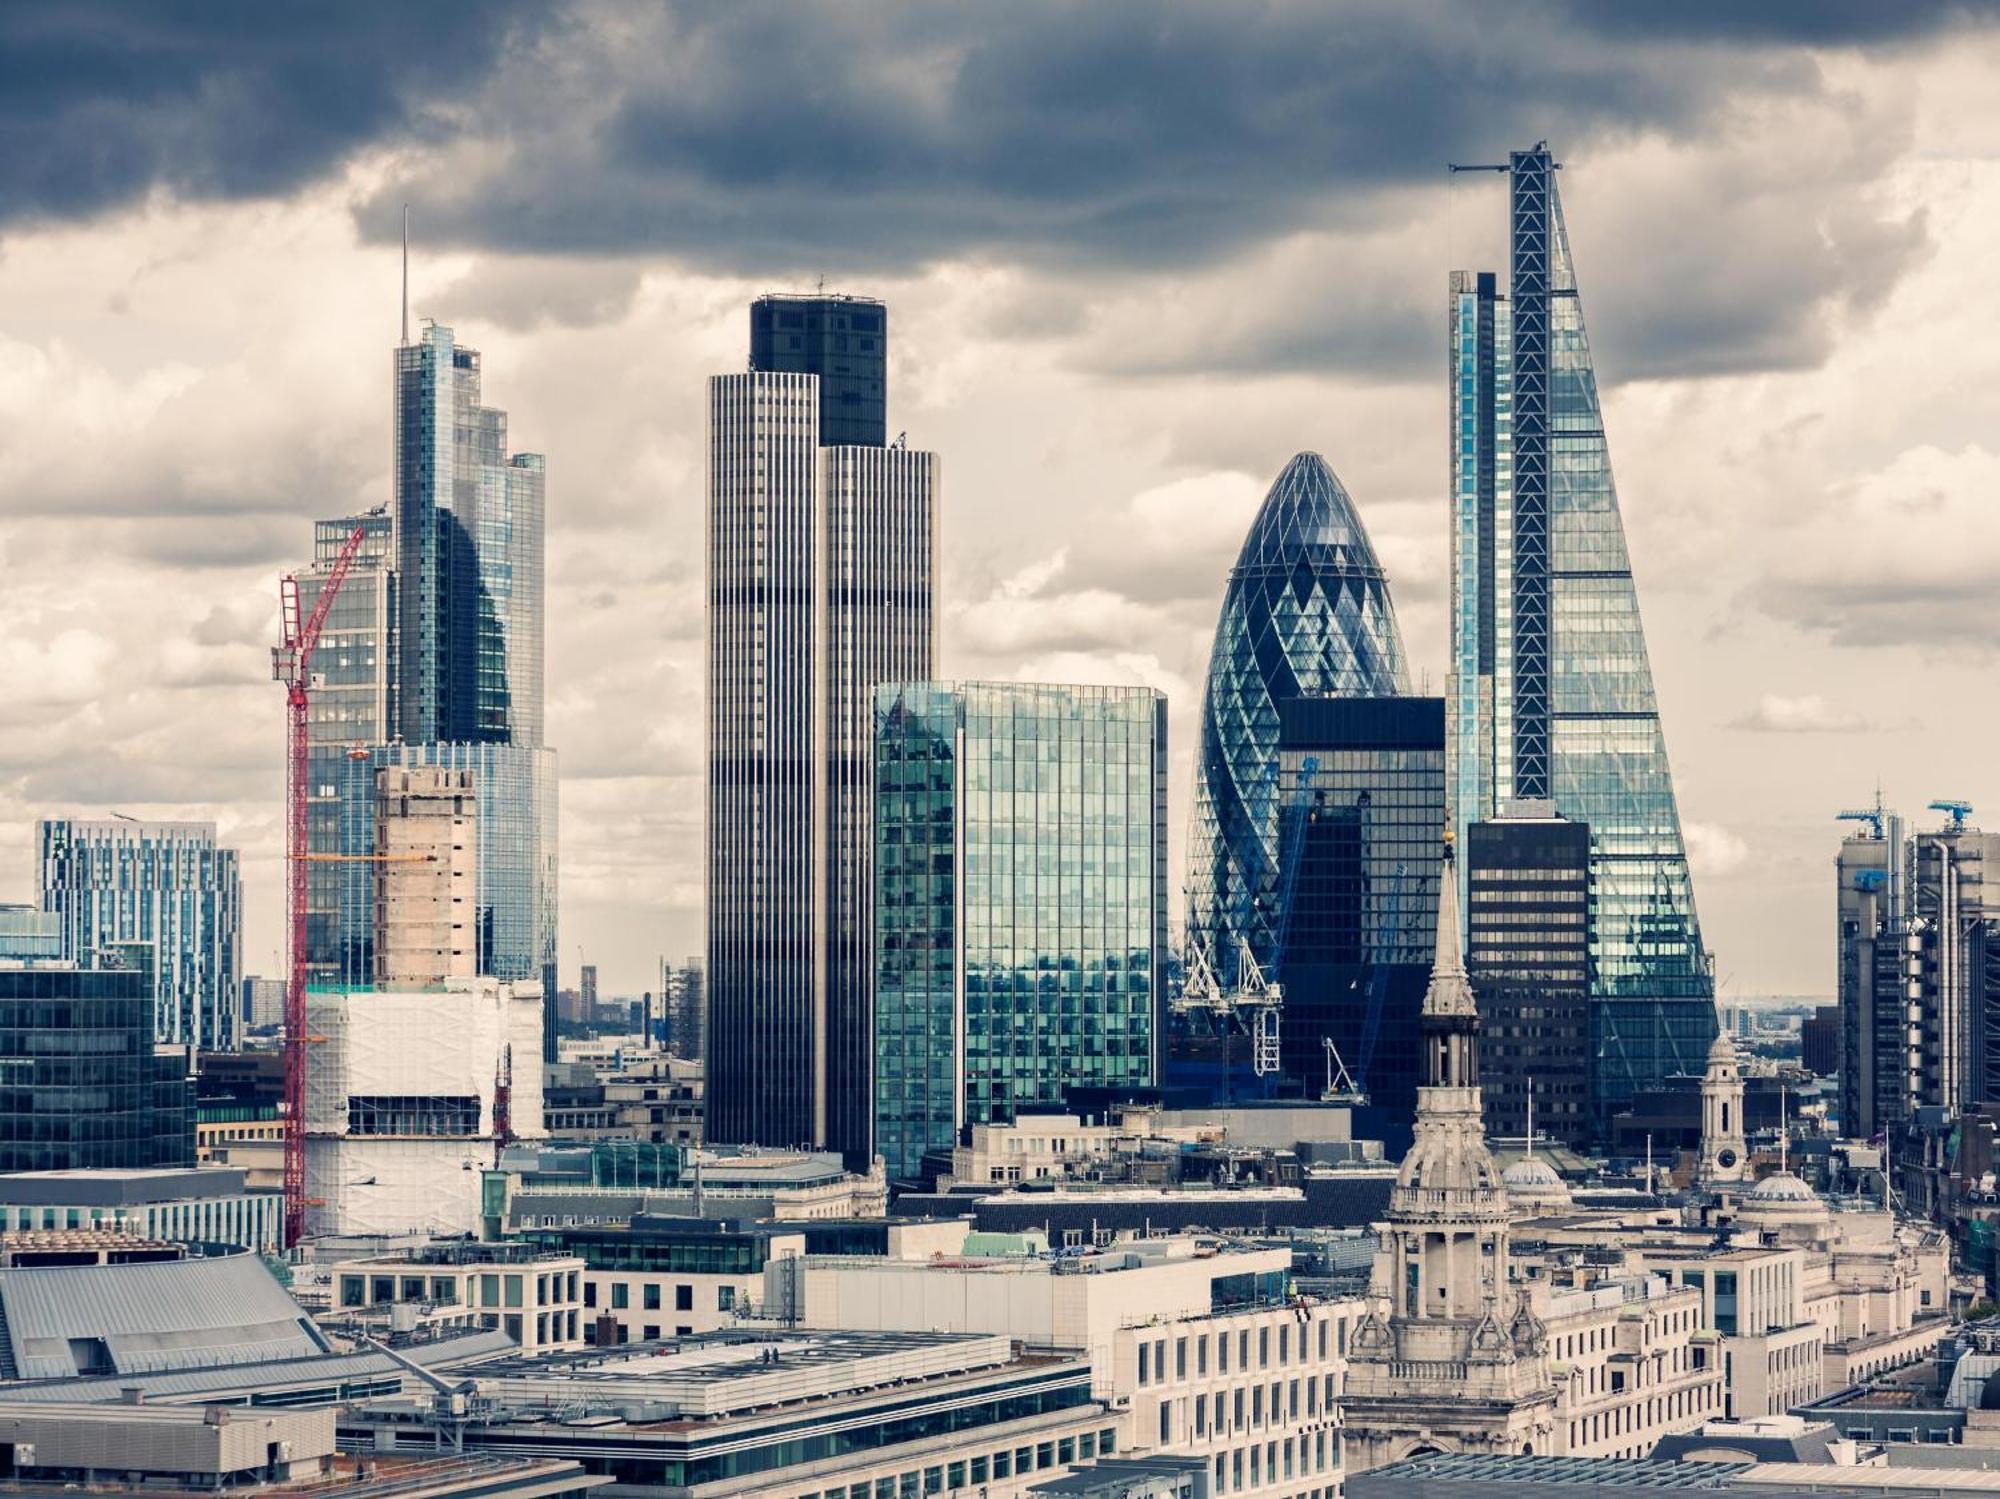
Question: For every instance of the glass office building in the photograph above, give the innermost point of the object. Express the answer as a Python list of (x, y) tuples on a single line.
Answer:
[(844, 342), (166, 887), (1020, 902), (81, 1085), (1551, 695), (1362, 829)]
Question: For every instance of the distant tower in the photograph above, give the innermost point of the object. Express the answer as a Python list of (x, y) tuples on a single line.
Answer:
[(1722, 1151), (1461, 1363)]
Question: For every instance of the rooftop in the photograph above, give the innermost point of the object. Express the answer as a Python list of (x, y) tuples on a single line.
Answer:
[(722, 1373), (1496, 1473), (105, 1187)]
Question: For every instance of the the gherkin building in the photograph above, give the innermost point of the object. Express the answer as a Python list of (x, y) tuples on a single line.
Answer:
[(1306, 613)]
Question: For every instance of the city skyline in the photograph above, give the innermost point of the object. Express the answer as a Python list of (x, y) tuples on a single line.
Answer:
[(1800, 460)]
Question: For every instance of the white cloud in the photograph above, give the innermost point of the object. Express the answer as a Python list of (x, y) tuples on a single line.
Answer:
[(1714, 850), (1810, 714)]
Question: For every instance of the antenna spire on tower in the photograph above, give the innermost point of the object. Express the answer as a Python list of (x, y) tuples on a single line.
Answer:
[(406, 273)]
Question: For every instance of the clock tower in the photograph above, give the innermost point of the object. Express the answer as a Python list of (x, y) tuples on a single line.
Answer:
[(1723, 1154)]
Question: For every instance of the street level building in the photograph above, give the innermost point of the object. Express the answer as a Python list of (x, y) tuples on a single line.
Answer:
[(776, 1411), (207, 1205), (1202, 1349)]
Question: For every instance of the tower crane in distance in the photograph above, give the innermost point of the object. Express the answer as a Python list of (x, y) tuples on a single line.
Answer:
[(291, 665)]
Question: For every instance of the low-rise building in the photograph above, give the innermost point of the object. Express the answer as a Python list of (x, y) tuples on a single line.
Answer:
[(1202, 1349), (208, 1204), (612, 1181), (535, 1297), (779, 1413)]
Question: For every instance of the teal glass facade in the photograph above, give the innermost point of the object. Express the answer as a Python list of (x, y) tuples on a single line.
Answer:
[(1020, 901), (1551, 692), (1306, 614)]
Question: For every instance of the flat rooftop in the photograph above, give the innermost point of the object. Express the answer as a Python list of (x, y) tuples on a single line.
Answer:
[(723, 1373), (111, 1188)]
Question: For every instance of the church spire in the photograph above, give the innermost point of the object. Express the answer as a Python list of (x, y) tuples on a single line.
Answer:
[(1450, 991)]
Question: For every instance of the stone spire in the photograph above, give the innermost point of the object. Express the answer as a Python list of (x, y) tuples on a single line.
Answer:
[(1450, 991)]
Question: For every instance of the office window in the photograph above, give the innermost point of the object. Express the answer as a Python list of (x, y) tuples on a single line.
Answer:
[(652, 1298)]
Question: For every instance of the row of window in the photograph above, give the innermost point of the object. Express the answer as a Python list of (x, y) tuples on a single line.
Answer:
[(975, 1471), (1331, 1336)]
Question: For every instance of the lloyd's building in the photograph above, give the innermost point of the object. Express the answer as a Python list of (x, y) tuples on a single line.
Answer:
[(1551, 704)]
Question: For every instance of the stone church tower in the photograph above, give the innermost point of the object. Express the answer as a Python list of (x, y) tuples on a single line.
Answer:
[(1460, 1362), (1723, 1160)]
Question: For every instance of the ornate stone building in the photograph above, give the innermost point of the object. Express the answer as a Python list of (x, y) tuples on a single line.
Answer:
[(1452, 1356)]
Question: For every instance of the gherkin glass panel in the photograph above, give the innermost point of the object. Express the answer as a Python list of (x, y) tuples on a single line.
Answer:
[(1306, 613)]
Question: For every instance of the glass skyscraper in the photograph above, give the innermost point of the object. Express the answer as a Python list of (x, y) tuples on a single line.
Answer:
[(1020, 902), (433, 656), (166, 887), (1306, 614), (1551, 695), (469, 521), (820, 567)]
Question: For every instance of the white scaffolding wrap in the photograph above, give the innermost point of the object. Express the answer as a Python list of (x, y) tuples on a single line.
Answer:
[(399, 1101)]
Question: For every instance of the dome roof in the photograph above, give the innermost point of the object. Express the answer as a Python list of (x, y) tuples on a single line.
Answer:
[(1781, 1186), (1530, 1171), (1722, 1049)]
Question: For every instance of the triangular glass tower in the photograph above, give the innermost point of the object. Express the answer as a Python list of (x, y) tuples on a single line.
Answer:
[(1306, 614), (1551, 694)]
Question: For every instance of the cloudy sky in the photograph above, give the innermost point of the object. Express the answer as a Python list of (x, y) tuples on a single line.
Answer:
[(1137, 254)]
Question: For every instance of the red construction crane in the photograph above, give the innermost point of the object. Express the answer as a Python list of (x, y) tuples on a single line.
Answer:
[(291, 664)]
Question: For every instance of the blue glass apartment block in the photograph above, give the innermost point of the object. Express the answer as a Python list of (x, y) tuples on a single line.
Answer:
[(1306, 614), (515, 898), (1020, 902), (82, 1086), (1551, 695), (165, 887)]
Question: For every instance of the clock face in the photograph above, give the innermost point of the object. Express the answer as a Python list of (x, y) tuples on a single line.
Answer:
[(1725, 1158)]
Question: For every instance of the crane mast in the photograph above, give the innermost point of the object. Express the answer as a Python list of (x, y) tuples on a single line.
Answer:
[(291, 665)]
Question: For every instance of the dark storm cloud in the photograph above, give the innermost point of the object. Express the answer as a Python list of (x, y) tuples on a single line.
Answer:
[(101, 101), (1089, 139)]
